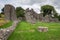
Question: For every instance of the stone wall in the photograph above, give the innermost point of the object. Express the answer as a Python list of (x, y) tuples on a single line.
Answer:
[(5, 33), (29, 16), (47, 18), (9, 12)]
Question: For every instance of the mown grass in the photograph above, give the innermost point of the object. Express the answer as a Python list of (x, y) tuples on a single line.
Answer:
[(22, 31), (6, 24)]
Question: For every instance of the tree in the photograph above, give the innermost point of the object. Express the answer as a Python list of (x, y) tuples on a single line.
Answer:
[(20, 12), (48, 9), (0, 15), (2, 11), (56, 15), (59, 17)]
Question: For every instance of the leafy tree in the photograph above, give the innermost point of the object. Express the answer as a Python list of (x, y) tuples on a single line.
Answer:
[(59, 17), (0, 15), (20, 12), (2, 11), (56, 15), (48, 9)]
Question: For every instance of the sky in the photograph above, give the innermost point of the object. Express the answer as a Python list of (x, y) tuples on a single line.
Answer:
[(35, 4)]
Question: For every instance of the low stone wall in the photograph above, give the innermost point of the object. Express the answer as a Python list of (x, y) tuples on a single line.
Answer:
[(5, 33)]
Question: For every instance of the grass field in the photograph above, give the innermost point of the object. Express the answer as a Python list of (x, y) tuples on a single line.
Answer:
[(4, 23), (28, 31)]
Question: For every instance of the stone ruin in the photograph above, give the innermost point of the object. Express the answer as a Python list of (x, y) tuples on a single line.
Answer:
[(29, 15), (47, 18), (9, 12), (6, 32), (42, 29)]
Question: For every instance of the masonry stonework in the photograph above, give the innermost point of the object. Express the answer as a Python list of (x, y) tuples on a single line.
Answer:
[(9, 12)]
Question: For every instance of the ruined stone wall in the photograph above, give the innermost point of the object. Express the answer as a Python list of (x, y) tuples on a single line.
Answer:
[(5, 33), (32, 17), (9, 12), (29, 16), (13, 14), (35, 15), (47, 18)]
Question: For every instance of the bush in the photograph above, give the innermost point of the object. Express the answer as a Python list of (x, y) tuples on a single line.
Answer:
[(19, 12), (47, 9)]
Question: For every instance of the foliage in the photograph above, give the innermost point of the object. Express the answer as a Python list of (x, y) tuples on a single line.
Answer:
[(59, 17), (47, 9), (20, 12), (2, 11), (56, 15), (0, 15)]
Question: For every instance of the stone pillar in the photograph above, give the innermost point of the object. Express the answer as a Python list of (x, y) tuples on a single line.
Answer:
[(9, 12), (13, 13)]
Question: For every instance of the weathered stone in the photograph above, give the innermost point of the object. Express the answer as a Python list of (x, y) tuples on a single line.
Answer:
[(47, 18), (40, 17), (0, 39), (4, 33), (29, 16), (9, 12), (42, 29)]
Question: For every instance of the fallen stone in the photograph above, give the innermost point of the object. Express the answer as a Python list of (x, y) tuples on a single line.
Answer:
[(42, 29)]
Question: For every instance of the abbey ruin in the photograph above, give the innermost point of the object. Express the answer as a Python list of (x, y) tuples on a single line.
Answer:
[(30, 15), (9, 12)]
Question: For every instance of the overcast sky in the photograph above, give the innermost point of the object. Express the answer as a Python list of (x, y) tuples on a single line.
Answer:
[(35, 4)]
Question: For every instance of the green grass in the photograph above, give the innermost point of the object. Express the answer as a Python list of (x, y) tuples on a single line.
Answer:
[(22, 31), (6, 25)]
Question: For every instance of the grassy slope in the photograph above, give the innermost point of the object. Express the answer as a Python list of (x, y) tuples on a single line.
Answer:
[(52, 34), (6, 25)]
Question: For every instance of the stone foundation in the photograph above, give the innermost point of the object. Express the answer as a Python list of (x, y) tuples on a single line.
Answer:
[(42, 29)]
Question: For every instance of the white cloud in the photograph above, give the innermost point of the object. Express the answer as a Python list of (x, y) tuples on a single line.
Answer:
[(35, 4)]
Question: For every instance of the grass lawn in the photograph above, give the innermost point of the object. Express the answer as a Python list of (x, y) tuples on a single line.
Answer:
[(28, 31), (5, 25)]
